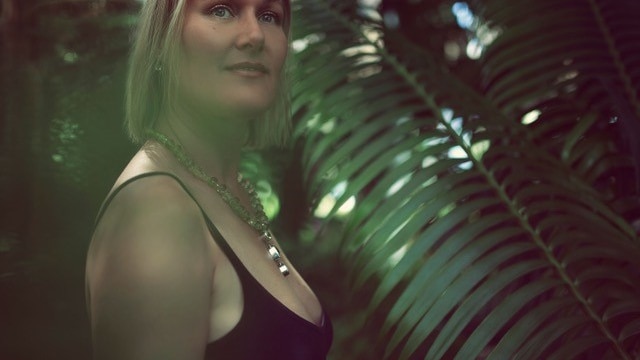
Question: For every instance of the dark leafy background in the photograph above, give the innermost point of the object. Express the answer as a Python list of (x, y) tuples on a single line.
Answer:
[(462, 183)]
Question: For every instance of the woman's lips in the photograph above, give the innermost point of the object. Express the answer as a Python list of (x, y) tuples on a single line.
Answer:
[(247, 68)]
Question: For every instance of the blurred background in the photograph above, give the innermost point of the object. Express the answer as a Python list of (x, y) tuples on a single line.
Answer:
[(434, 140)]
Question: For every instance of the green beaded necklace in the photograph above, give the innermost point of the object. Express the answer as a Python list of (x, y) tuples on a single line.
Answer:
[(259, 221)]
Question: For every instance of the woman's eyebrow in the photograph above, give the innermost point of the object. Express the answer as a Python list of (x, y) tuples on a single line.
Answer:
[(264, 2), (269, 2)]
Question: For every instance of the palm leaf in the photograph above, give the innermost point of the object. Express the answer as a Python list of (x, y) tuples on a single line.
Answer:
[(577, 63), (468, 247)]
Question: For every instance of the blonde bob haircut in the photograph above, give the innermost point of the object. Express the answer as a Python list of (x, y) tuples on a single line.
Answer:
[(154, 73)]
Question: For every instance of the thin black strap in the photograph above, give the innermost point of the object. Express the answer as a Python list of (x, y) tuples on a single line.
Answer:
[(140, 176), (115, 192), (216, 233)]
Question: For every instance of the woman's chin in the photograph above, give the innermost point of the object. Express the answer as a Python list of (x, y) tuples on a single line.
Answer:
[(235, 103), (248, 108)]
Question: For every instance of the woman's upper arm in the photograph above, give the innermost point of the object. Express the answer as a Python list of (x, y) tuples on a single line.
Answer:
[(150, 278)]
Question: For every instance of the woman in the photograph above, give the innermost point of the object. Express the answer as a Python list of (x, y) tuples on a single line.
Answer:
[(182, 264)]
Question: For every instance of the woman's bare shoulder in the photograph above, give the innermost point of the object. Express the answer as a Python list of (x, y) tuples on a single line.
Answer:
[(149, 215), (149, 272), (146, 203), (143, 189)]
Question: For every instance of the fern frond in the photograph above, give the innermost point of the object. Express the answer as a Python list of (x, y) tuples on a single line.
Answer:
[(477, 230)]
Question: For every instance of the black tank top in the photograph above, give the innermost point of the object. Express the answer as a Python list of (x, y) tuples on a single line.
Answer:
[(267, 329)]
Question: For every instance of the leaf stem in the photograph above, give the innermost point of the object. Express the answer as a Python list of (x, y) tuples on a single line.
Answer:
[(617, 59)]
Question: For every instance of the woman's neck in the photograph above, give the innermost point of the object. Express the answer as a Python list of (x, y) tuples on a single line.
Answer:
[(215, 145)]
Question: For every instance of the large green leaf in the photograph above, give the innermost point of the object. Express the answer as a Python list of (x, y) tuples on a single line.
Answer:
[(479, 240)]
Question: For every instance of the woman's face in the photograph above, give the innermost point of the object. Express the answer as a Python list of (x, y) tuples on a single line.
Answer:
[(233, 55)]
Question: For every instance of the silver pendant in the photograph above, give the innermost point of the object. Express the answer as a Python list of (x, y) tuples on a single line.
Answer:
[(284, 270), (274, 253)]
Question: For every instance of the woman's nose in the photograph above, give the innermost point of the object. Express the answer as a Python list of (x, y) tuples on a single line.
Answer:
[(250, 34)]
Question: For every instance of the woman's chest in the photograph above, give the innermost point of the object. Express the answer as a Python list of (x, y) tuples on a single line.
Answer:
[(246, 278)]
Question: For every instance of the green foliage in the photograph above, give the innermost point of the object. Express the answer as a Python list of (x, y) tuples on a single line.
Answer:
[(484, 237), (577, 65)]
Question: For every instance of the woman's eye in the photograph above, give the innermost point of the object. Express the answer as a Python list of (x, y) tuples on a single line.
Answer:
[(221, 11), (270, 17)]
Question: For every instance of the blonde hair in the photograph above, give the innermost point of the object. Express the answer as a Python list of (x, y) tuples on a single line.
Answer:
[(148, 91)]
